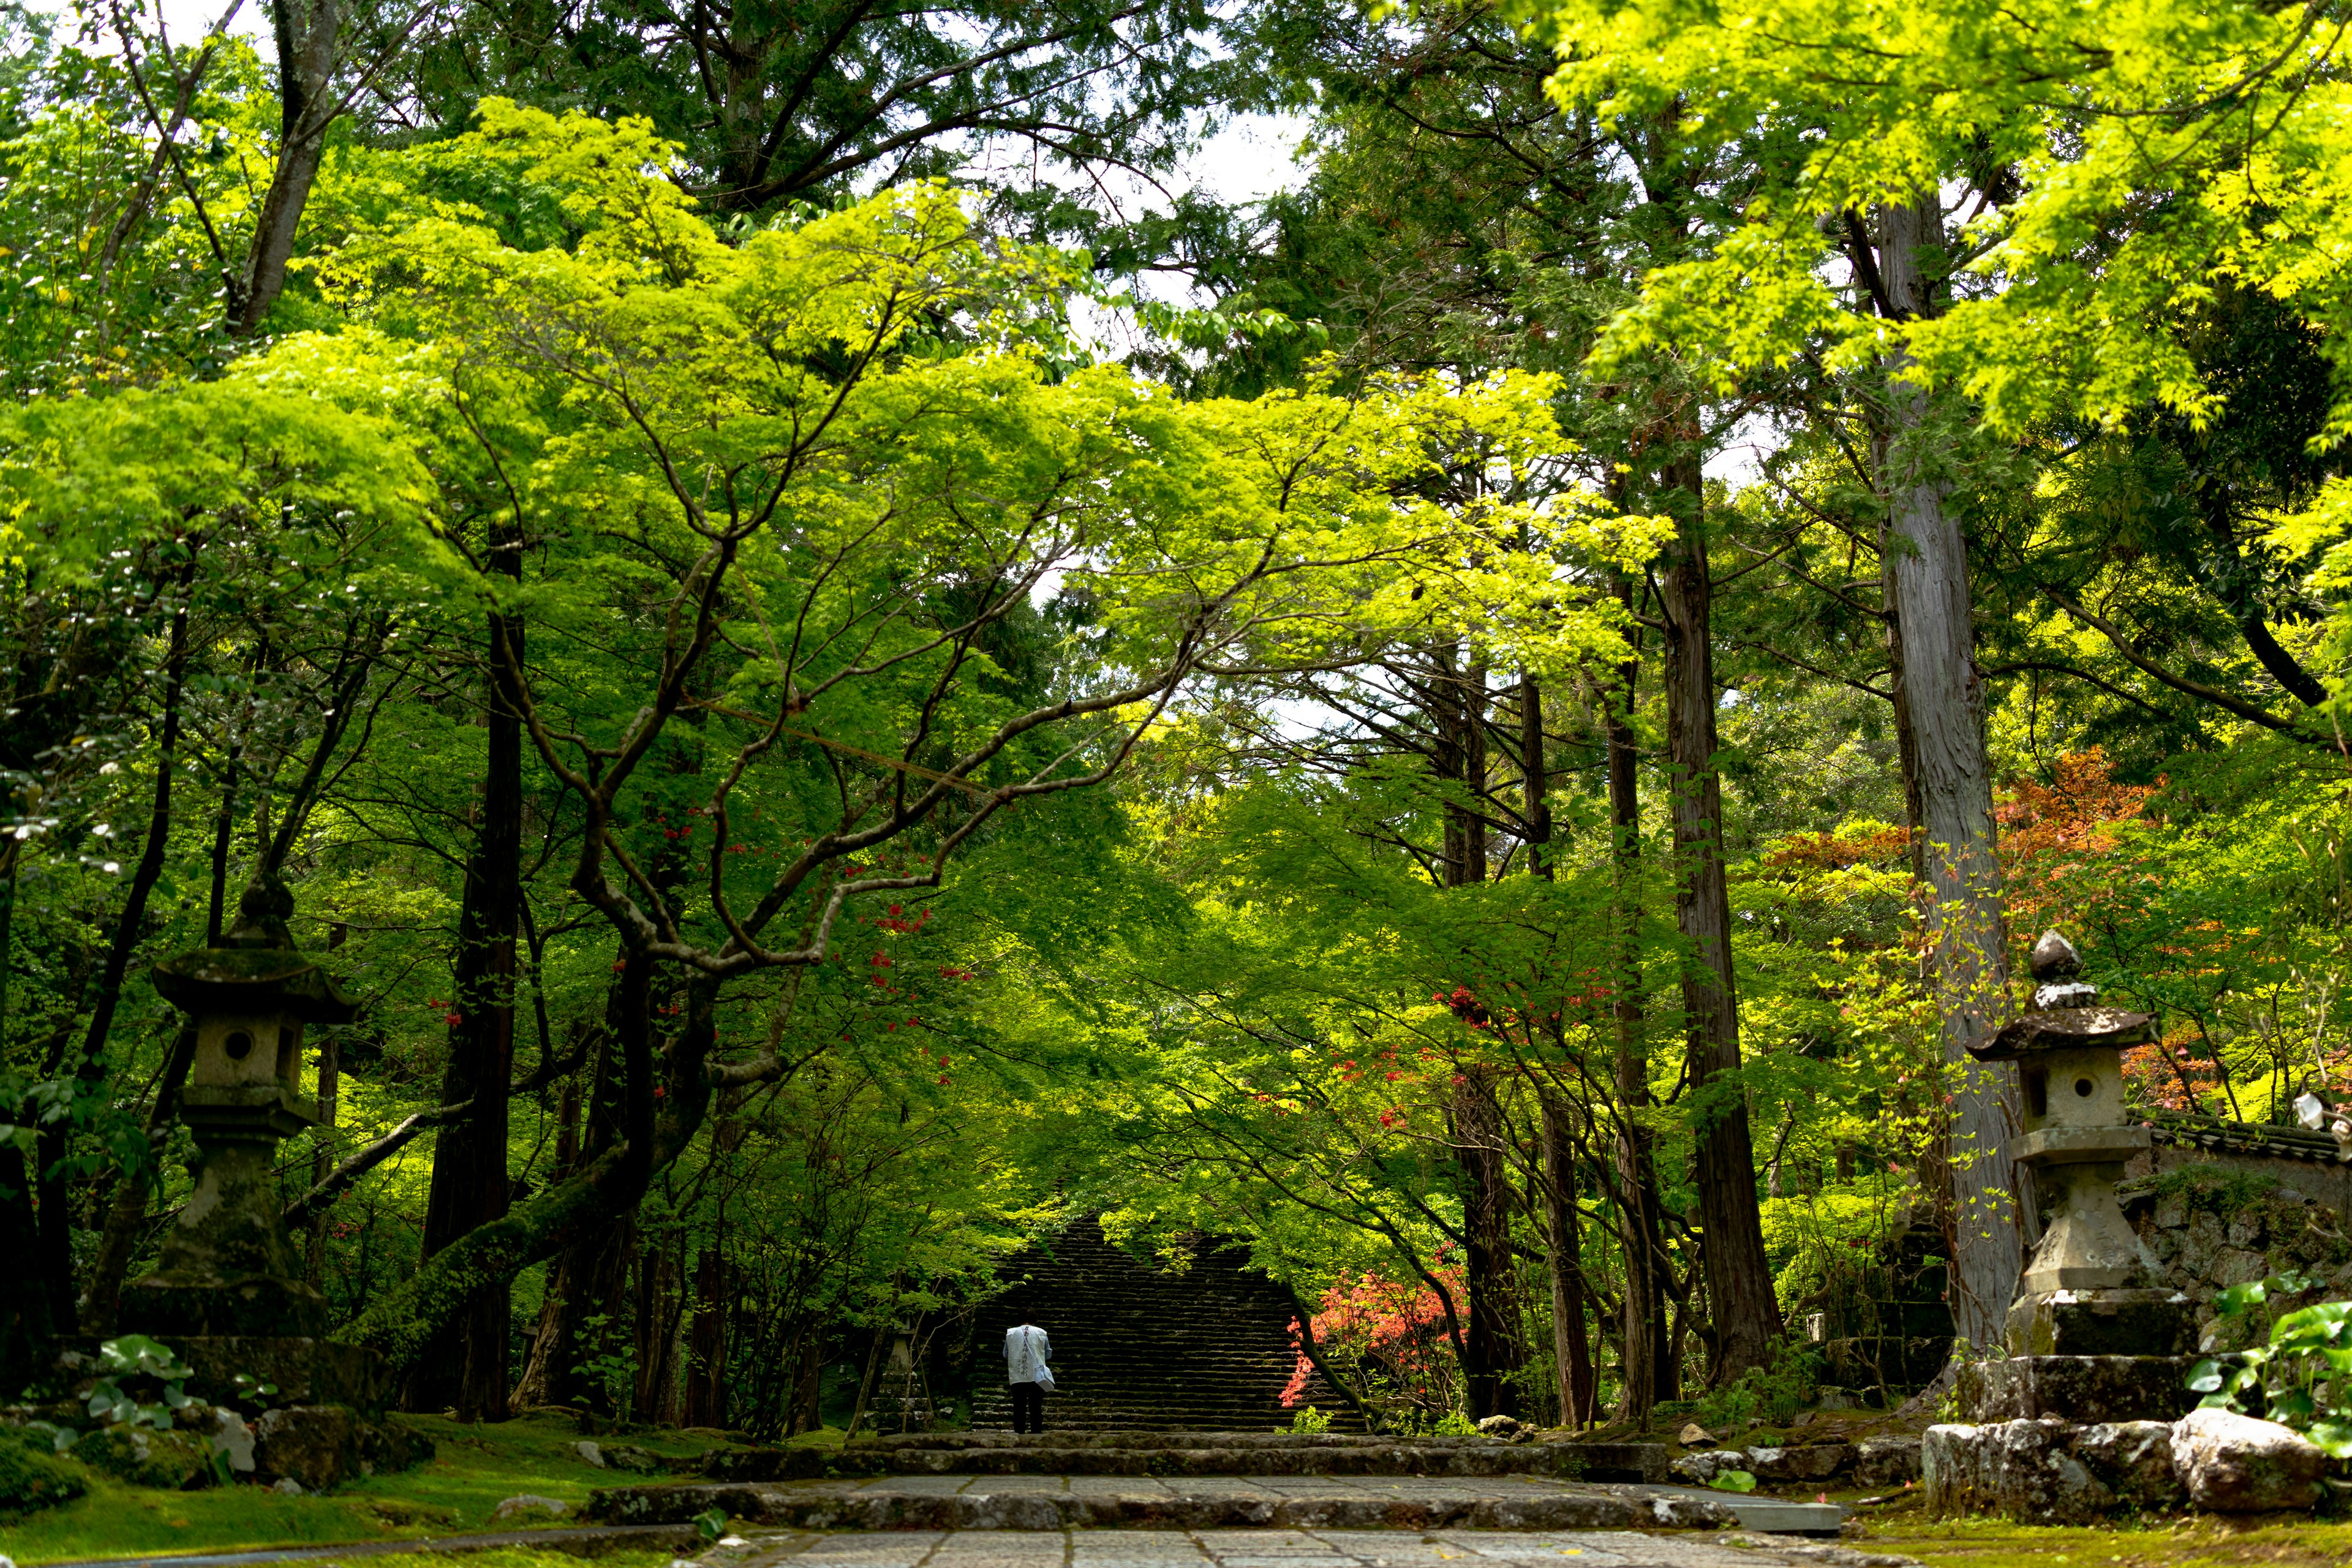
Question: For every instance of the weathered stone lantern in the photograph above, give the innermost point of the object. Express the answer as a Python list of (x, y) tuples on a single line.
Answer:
[(2096, 1332), (228, 1266), (227, 1296)]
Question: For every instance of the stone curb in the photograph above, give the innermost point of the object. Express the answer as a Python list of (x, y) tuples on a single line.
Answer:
[(824, 1508)]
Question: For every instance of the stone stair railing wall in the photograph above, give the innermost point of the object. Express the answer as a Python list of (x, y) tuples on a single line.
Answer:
[(1140, 1348)]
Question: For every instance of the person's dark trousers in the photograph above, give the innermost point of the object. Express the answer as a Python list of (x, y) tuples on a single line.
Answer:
[(1028, 1407)]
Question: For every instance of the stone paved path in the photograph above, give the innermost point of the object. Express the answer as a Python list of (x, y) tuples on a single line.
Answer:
[(1281, 1549)]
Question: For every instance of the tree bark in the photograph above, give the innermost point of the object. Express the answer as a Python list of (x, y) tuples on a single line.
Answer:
[(467, 1368), (656, 1330), (1571, 1351), (1536, 776), (1493, 1352), (26, 1325), (704, 1403), (1941, 692), (588, 1274), (308, 35), (1649, 1371), (1739, 1279)]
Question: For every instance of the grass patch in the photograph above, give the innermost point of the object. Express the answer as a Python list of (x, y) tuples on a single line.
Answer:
[(2206, 1541), (474, 1471)]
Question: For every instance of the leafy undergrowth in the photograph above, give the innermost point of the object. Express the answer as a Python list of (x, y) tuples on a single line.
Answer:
[(474, 1471), (2202, 1542)]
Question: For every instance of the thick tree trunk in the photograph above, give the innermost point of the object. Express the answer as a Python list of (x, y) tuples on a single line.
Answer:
[(26, 1325), (310, 40), (588, 1276), (468, 1369), (1535, 773), (657, 1336), (1458, 699), (1925, 567), (1739, 1279), (704, 1403), (1571, 1351), (1493, 1352), (1648, 1368)]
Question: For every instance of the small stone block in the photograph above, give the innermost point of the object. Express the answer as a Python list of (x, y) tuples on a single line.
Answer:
[(2160, 1322), (2076, 1388)]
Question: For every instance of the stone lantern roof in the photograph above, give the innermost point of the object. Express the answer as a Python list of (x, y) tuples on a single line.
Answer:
[(252, 980)]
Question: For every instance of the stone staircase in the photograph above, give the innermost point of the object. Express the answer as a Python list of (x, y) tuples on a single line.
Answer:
[(1176, 1453), (1140, 1349)]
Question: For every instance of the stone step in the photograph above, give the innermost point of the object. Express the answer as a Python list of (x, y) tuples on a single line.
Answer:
[(1230, 1504), (1599, 1462)]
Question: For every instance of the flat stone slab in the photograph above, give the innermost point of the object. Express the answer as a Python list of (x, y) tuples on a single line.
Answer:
[(1773, 1514), (1252, 1503)]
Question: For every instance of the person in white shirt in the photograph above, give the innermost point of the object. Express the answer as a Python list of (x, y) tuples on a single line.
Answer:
[(1026, 1350)]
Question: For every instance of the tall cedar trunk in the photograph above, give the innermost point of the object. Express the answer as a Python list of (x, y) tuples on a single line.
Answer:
[(1458, 704), (1474, 769), (26, 1326), (1941, 693), (310, 39), (656, 1335), (809, 1386), (703, 1393), (704, 1401), (589, 1276), (1571, 1351), (1535, 772), (1492, 1349), (1649, 1371), (55, 1243), (1746, 1315), (863, 1407), (467, 1367)]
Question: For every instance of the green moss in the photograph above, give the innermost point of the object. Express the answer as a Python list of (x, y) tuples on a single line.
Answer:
[(2221, 1188), (33, 1477), (2202, 1542), (475, 1469)]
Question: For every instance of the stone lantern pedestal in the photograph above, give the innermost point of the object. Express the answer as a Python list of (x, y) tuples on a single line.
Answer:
[(228, 1295)]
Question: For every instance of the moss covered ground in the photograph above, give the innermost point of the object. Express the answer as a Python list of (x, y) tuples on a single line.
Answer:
[(475, 1469), (2204, 1542)]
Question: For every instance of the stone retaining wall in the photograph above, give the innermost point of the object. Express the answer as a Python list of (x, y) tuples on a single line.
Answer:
[(2220, 1219)]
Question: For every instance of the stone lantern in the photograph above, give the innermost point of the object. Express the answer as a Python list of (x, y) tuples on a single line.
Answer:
[(228, 1267), (2096, 1332)]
